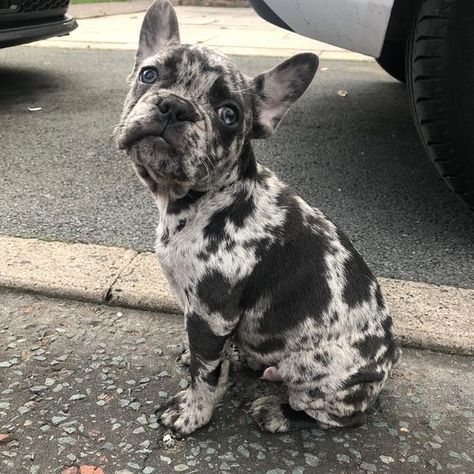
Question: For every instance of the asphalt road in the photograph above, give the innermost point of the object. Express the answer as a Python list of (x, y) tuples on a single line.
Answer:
[(356, 157), (81, 384)]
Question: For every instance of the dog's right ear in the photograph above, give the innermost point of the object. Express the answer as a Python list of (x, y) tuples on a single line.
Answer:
[(159, 30)]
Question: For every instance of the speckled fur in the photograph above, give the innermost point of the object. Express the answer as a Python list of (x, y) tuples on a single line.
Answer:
[(249, 260)]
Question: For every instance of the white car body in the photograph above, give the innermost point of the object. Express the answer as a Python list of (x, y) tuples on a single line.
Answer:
[(357, 25)]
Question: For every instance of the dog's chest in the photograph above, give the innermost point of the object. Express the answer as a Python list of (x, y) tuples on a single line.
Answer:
[(177, 252)]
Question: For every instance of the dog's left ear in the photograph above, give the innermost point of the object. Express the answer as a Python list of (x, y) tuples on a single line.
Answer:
[(277, 89), (159, 30)]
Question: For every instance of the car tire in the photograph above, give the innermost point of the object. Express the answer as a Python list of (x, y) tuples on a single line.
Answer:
[(392, 59), (440, 83)]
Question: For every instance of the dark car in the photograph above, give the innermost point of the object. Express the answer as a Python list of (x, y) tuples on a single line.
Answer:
[(24, 21)]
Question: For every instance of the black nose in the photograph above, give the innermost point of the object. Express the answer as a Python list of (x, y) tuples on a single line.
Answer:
[(177, 110)]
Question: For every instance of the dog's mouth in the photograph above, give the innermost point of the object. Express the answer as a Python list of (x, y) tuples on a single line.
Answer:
[(156, 158), (150, 133)]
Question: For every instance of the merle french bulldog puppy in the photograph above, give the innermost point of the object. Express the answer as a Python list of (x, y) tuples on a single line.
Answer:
[(248, 260)]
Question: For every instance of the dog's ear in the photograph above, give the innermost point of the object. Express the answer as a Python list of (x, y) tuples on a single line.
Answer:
[(277, 89), (159, 30)]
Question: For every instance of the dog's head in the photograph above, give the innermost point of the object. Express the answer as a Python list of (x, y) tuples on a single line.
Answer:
[(190, 111)]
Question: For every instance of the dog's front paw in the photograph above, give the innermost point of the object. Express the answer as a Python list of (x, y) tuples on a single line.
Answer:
[(267, 413), (187, 413)]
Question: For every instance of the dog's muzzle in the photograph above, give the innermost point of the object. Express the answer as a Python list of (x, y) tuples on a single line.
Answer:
[(166, 113)]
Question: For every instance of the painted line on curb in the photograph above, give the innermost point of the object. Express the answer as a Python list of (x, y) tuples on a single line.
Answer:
[(425, 315)]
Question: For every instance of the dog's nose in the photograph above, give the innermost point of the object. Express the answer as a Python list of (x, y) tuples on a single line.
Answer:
[(177, 110)]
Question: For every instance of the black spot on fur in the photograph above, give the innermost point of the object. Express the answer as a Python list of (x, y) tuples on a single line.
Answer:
[(359, 278), (321, 358), (316, 393), (362, 377), (219, 92), (334, 317), (291, 273), (204, 256), (169, 70), (181, 224), (212, 378), (219, 295), (370, 345), (204, 344), (247, 164), (236, 212), (180, 205), (165, 237), (357, 396)]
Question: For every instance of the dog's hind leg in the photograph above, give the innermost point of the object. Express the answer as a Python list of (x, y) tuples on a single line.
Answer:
[(276, 417)]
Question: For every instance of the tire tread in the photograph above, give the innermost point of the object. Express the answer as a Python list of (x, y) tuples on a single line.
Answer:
[(429, 73)]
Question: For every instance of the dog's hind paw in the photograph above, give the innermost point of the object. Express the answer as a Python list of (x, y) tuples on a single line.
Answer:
[(268, 414)]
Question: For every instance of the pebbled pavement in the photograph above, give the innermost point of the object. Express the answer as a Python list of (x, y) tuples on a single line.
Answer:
[(356, 157), (80, 384)]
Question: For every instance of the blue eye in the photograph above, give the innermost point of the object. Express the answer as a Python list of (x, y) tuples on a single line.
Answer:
[(228, 114), (148, 75)]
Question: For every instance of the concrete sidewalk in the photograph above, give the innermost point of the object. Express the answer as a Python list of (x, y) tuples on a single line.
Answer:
[(94, 10), (425, 316), (238, 31), (80, 384)]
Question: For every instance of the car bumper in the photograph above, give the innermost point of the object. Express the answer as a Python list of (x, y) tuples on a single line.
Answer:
[(38, 31), (358, 25)]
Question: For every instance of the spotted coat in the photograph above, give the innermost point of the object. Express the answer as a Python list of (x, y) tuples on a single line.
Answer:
[(248, 260)]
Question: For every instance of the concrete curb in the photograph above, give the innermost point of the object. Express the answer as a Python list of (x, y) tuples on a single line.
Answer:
[(425, 316)]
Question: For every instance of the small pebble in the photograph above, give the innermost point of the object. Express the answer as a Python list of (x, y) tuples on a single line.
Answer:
[(181, 467), (343, 458), (311, 459), (366, 466), (77, 396), (243, 451), (58, 419), (168, 441), (142, 420)]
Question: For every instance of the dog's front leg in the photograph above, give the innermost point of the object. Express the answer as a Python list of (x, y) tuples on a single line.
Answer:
[(208, 344)]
